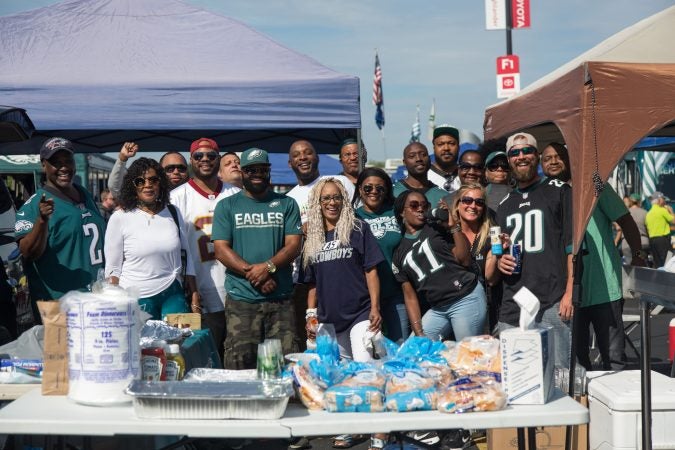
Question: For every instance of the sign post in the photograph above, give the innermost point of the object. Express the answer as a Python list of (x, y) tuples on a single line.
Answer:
[(508, 76)]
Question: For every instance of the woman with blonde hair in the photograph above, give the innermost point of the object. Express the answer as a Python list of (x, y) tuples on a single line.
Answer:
[(339, 262), (470, 210)]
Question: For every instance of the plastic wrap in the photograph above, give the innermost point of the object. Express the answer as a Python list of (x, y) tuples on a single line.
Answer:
[(360, 392), (410, 390), (467, 395)]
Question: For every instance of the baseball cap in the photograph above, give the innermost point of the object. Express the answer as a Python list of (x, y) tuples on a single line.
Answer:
[(494, 155), (203, 143), (53, 145), (526, 137), (446, 129), (657, 195), (635, 197), (254, 156)]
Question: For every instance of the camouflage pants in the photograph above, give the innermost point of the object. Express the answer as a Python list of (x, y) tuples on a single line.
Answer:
[(249, 324)]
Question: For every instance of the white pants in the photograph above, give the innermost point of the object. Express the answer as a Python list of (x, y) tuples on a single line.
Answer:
[(351, 343)]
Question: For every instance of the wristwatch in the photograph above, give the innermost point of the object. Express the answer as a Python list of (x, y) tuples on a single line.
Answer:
[(271, 268), (640, 254)]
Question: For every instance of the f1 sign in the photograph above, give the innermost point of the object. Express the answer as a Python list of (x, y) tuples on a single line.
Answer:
[(508, 76)]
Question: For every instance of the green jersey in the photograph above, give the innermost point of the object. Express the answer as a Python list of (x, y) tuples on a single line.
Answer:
[(433, 193), (256, 230), (74, 251)]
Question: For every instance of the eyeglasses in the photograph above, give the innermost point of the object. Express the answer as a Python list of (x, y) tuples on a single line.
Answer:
[(415, 205), (368, 188), (197, 156), (494, 166), (140, 181), (325, 199), (173, 167), (525, 151), (468, 201), (465, 167), (256, 170)]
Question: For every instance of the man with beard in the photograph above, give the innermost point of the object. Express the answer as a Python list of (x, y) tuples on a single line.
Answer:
[(443, 171), (196, 201), (257, 234), (173, 163), (349, 158), (537, 214), (230, 169), (416, 160)]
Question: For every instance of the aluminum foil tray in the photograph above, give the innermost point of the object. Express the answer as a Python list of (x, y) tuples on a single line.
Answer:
[(259, 399)]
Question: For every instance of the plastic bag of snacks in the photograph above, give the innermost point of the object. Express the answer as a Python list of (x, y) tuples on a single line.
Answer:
[(410, 390), (308, 388), (474, 354), (466, 395), (361, 392)]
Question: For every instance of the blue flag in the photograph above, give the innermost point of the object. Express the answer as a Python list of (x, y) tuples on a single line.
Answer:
[(378, 97)]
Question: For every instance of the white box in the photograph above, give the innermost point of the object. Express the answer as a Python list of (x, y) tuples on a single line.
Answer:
[(614, 404), (527, 365)]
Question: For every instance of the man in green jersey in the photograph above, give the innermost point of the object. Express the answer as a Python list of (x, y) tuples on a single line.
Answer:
[(256, 234), (59, 229)]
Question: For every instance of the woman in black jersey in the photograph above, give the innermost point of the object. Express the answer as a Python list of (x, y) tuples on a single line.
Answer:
[(434, 262)]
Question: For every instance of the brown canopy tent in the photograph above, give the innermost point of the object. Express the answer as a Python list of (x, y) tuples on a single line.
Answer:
[(601, 104)]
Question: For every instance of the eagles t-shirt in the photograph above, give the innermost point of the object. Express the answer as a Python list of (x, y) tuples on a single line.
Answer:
[(339, 275), (539, 218), (257, 230), (425, 260)]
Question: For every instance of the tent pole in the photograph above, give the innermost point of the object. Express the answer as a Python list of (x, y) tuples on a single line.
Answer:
[(577, 270), (359, 145)]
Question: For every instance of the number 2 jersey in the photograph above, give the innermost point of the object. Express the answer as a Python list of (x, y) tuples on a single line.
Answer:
[(74, 251), (539, 218), (196, 207), (426, 261)]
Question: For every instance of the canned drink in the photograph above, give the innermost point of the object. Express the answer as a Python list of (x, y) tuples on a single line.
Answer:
[(496, 241), (517, 255)]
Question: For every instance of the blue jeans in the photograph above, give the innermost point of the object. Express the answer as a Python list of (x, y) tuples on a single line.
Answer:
[(562, 334), (461, 318), (395, 318)]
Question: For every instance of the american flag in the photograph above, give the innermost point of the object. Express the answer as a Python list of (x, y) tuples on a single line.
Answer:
[(378, 98), (416, 129)]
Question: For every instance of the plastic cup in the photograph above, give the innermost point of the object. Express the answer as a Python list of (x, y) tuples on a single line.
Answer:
[(267, 368)]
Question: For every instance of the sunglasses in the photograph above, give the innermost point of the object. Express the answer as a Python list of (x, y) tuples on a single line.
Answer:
[(468, 201), (494, 166), (198, 156), (173, 167), (368, 188), (325, 199), (517, 151), (140, 181), (466, 167), (415, 205), (256, 170)]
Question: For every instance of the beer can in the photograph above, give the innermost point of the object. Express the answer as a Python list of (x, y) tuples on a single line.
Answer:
[(495, 240), (517, 255)]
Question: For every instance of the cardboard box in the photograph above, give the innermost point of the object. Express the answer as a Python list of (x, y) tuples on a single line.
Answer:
[(185, 320), (548, 438), (527, 365)]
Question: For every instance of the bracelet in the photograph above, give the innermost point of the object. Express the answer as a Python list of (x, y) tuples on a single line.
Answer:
[(311, 312), (455, 228), (416, 322)]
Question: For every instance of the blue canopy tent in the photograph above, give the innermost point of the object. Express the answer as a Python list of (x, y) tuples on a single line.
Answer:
[(282, 174), (163, 73)]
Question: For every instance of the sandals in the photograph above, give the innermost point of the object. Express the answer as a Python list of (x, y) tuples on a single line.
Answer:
[(376, 444), (343, 441)]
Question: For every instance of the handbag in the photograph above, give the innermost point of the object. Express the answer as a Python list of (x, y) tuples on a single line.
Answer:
[(183, 253)]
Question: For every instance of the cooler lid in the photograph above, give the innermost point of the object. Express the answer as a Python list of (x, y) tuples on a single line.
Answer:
[(620, 391)]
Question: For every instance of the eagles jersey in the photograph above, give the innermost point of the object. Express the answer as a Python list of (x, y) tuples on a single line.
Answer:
[(426, 261), (197, 206), (74, 251), (539, 218)]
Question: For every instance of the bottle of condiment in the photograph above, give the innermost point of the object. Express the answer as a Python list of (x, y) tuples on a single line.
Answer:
[(175, 363), (153, 363)]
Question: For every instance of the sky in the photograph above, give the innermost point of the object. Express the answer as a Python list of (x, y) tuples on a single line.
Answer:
[(432, 49)]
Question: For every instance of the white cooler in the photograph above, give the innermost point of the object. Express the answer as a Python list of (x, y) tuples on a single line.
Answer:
[(615, 416)]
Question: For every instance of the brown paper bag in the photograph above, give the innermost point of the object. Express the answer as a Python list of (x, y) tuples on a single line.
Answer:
[(55, 371)]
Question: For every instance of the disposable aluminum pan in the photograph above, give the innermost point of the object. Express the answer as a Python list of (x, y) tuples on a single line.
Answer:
[(258, 399)]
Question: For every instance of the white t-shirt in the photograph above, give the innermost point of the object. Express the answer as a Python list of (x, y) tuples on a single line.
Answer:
[(439, 180), (301, 193), (143, 250), (196, 207)]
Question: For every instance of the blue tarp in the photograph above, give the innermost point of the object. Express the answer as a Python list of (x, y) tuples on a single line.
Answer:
[(282, 174), (162, 73)]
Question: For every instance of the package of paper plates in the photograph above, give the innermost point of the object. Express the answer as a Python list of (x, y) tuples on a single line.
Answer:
[(103, 345)]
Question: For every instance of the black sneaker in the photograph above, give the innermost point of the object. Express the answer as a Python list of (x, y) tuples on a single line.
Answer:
[(425, 437), (456, 440)]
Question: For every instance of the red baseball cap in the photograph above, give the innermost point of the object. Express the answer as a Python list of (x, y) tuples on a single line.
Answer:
[(203, 143)]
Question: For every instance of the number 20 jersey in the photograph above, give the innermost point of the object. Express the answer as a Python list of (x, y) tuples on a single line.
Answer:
[(539, 218)]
